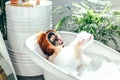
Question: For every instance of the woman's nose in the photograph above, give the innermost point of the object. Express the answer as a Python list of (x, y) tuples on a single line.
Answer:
[(60, 41)]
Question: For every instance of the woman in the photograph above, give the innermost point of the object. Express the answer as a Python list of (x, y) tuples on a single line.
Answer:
[(71, 57)]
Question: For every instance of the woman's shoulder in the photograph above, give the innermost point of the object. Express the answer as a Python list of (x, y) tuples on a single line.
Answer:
[(52, 57)]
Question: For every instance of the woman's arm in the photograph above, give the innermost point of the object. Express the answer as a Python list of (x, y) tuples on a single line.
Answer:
[(78, 51), (78, 54)]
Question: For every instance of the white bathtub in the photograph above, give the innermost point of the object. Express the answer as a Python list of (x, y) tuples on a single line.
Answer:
[(52, 72)]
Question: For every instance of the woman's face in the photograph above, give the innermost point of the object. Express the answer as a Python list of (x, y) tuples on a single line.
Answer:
[(55, 39)]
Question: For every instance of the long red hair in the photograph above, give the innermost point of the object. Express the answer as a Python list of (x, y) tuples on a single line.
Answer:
[(44, 43)]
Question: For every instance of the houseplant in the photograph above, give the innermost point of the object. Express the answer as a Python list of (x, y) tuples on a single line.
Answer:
[(96, 23)]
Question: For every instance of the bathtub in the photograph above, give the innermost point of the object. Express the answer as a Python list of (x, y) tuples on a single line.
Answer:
[(51, 71)]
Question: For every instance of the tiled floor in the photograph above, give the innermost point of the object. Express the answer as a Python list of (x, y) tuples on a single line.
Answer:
[(31, 78)]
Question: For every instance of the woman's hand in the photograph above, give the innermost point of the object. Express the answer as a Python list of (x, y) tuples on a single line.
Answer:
[(78, 51), (79, 44)]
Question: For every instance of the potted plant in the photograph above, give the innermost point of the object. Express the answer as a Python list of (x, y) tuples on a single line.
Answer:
[(96, 23)]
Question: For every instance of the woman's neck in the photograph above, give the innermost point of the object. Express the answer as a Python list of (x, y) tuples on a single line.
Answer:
[(57, 49)]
